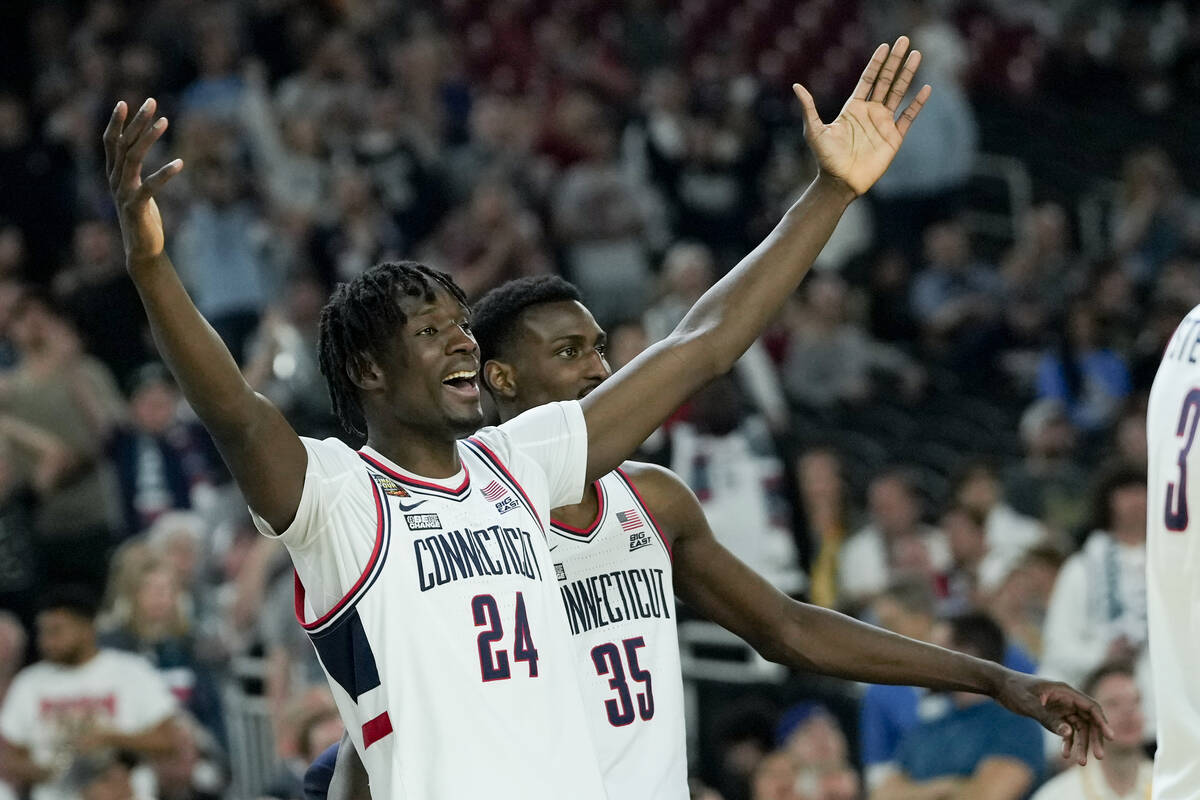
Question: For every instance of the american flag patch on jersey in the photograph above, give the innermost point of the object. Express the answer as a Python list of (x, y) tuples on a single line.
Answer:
[(629, 519), (494, 491)]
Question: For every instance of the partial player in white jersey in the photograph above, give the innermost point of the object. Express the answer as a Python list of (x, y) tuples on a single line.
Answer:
[(639, 537), (401, 364), (1173, 562)]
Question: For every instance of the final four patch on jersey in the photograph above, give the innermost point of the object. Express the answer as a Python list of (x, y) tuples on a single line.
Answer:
[(423, 522), (389, 486)]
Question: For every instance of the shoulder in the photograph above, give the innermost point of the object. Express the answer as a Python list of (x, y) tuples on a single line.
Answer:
[(666, 496), (532, 428)]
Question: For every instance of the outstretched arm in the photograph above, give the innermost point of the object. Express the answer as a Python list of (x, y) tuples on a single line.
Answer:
[(852, 151), (715, 583), (264, 454)]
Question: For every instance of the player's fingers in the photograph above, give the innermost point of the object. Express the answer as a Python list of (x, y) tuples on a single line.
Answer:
[(159, 179), (914, 108), (139, 122), (128, 168), (887, 73), (1097, 740), (907, 72), (867, 79), (1068, 737), (111, 131), (139, 148), (812, 120)]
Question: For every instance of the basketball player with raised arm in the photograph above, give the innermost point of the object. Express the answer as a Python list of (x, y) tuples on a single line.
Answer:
[(638, 538), (424, 577), (1173, 562)]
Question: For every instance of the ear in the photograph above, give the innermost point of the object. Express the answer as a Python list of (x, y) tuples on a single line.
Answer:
[(365, 373), (500, 379)]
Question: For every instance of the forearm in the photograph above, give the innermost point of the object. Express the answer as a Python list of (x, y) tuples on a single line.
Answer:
[(201, 363), (830, 643), (732, 313)]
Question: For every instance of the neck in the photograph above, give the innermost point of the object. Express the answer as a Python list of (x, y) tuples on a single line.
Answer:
[(1120, 766), (582, 513), (427, 454), (1130, 536)]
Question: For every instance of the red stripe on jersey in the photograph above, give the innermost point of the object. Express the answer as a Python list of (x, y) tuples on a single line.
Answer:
[(649, 513), (595, 523), (500, 465), (376, 729), (299, 593), (391, 473)]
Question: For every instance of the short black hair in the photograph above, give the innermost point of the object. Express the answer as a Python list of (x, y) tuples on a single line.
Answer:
[(913, 595), (1115, 477), (360, 318), (979, 634), (494, 318), (78, 600)]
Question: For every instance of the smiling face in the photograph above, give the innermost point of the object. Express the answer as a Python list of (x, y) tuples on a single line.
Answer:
[(426, 378), (557, 353)]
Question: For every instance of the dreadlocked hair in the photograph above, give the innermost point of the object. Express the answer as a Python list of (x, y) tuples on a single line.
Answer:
[(495, 316), (360, 318)]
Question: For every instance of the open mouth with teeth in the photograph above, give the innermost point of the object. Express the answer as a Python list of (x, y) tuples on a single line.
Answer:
[(463, 380)]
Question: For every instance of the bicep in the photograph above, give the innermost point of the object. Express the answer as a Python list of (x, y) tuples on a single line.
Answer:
[(999, 779), (268, 461), (624, 410)]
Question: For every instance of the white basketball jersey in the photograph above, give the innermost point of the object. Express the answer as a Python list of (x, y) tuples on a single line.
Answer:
[(1173, 562), (434, 610), (614, 578)]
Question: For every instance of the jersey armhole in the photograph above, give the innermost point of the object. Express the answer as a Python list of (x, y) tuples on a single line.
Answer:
[(649, 514)]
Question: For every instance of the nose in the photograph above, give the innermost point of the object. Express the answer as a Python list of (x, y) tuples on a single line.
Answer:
[(597, 366), (460, 341)]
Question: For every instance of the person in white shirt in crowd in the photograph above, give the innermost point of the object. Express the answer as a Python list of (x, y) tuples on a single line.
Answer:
[(1097, 612), (894, 542), (1008, 534), (1125, 772), (79, 700)]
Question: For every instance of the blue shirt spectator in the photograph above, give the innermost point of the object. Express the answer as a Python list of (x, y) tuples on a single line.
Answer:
[(959, 742)]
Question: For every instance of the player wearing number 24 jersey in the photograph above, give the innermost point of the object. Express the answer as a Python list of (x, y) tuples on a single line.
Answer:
[(1173, 562), (640, 535)]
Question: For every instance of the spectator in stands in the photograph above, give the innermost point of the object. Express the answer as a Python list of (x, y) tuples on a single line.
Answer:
[(956, 299), (1129, 436), (1082, 373), (361, 233), (601, 219), (489, 240), (979, 491), (151, 619), (159, 459), (810, 734), (78, 700), (688, 271), (1153, 217), (1098, 610), (824, 501), (829, 361), (775, 778), (56, 387), (283, 358), (1042, 264), (102, 302), (104, 777), (894, 543), (926, 184), (1048, 484), (221, 245), (1125, 772), (1019, 603), (316, 729), (975, 744), (966, 534), (728, 458), (195, 770)]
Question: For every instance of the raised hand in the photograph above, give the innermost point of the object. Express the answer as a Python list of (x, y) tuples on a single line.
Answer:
[(1072, 715), (857, 147), (125, 146)]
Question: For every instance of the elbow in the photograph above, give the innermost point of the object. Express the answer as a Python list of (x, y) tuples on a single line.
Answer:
[(702, 351)]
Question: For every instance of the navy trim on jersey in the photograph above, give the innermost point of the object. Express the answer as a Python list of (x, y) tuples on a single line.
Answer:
[(649, 515), (589, 533), (493, 462), (370, 573), (420, 485)]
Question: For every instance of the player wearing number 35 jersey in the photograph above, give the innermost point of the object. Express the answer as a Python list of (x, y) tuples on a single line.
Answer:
[(1173, 561)]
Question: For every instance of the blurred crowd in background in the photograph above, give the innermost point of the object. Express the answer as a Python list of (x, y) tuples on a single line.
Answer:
[(948, 418)]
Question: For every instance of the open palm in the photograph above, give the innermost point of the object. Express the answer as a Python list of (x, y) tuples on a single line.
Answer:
[(857, 147)]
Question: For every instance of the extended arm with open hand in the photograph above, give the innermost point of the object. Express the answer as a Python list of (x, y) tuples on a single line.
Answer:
[(852, 152), (264, 454)]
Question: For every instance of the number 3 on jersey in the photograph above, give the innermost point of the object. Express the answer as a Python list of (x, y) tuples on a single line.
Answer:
[(1176, 517), (607, 660), (493, 665)]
